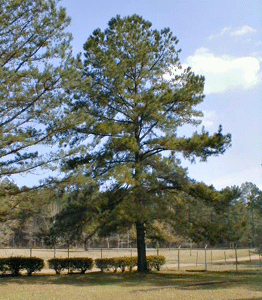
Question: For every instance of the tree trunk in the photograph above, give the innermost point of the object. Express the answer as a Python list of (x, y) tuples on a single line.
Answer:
[(141, 248)]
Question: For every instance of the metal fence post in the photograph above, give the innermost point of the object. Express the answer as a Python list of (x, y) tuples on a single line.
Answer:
[(205, 257), (236, 258), (196, 258), (68, 254), (101, 253), (178, 257), (30, 250)]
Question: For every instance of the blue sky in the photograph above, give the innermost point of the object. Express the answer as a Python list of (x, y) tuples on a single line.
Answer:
[(221, 40)]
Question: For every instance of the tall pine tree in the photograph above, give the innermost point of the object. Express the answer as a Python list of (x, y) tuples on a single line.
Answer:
[(126, 114)]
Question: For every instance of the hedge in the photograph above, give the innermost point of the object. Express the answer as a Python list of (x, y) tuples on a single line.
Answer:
[(17, 264), (153, 263), (105, 263), (81, 264)]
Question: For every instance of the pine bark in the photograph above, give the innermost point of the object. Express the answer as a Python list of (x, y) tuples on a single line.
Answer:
[(141, 248)]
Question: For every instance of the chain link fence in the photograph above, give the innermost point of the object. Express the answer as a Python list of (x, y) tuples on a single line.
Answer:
[(177, 259)]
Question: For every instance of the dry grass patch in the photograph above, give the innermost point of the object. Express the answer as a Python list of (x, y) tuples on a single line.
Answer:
[(163, 285)]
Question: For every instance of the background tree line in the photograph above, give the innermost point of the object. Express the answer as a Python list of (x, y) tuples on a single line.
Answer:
[(48, 218)]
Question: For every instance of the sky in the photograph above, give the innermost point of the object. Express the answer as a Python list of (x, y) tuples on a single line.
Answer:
[(221, 40)]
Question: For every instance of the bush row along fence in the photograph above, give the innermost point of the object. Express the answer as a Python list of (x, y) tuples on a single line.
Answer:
[(16, 265), (181, 259)]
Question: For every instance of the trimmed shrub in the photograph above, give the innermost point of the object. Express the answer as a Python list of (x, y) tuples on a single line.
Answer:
[(122, 263), (115, 263), (33, 264), (81, 263), (57, 264), (17, 264), (154, 262), (3, 265), (132, 262), (73, 264), (125, 262), (105, 263)]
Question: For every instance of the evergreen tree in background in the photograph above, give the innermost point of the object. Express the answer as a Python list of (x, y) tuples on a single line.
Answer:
[(252, 198), (127, 111), (35, 64), (214, 217)]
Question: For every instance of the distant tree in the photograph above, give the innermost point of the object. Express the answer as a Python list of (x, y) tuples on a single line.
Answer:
[(228, 217), (251, 196), (35, 64), (7, 204), (24, 212), (217, 218), (72, 223), (233, 217), (126, 114)]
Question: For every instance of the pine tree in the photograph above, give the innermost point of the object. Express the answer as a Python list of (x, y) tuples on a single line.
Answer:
[(252, 197), (35, 60), (127, 114)]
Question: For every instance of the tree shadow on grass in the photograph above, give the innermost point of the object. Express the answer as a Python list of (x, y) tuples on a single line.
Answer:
[(152, 281)]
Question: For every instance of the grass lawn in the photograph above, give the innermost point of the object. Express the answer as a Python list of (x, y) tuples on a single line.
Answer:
[(163, 285)]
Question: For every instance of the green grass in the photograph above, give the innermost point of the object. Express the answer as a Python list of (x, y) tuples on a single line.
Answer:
[(163, 285)]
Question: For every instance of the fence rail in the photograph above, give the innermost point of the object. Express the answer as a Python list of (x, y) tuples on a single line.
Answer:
[(179, 259)]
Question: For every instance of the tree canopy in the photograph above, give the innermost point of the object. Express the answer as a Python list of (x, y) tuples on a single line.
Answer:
[(124, 116), (35, 60)]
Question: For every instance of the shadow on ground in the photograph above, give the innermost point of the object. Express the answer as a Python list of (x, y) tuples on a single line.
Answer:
[(153, 281)]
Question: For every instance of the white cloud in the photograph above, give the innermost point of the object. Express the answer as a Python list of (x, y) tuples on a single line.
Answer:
[(237, 178), (224, 72), (209, 119), (243, 31), (223, 32)]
